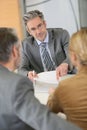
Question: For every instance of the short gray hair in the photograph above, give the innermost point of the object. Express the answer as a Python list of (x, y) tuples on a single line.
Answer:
[(32, 14), (8, 39)]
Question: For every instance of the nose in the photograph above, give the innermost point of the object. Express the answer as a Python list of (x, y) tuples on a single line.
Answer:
[(38, 30)]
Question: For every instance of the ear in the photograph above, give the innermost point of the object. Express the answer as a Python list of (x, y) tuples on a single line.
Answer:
[(28, 30), (73, 58), (14, 51)]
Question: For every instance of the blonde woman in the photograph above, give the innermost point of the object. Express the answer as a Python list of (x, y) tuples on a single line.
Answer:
[(70, 97)]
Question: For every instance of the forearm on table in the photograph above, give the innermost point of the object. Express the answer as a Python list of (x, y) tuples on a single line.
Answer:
[(52, 104)]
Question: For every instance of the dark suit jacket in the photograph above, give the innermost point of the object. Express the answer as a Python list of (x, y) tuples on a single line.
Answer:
[(20, 110), (58, 45)]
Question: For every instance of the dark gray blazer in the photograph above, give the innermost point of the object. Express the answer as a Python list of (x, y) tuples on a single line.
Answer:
[(20, 110), (58, 46)]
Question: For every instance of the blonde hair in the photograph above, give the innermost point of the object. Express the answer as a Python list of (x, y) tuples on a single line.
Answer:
[(78, 44)]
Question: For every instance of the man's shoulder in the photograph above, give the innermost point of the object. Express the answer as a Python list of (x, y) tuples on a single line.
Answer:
[(58, 32), (55, 30), (18, 78), (28, 39)]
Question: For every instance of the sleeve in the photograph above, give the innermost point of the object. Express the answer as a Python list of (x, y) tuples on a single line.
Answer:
[(53, 102), (24, 67), (65, 43)]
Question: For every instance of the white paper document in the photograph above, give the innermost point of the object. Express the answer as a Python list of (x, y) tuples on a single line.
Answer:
[(46, 80)]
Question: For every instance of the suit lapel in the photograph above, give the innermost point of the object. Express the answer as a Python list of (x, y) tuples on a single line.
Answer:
[(37, 53), (51, 45)]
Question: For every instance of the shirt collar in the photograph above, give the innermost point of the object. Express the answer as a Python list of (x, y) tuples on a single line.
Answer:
[(45, 40)]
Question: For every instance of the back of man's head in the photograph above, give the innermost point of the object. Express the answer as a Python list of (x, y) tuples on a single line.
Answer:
[(7, 39)]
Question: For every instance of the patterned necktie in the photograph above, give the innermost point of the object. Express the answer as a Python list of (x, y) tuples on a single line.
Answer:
[(48, 63)]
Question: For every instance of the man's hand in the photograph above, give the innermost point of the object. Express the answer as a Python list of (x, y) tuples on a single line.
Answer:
[(61, 70), (31, 75)]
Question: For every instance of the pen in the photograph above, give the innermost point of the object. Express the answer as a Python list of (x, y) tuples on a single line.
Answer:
[(33, 72), (34, 82)]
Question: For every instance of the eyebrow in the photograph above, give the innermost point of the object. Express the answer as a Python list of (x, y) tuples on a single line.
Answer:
[(33, 28)]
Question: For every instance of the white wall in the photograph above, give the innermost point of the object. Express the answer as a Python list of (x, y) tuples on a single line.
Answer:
[(58, 13)]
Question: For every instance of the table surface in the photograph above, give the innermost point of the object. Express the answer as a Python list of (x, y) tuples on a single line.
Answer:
[(43, 83)]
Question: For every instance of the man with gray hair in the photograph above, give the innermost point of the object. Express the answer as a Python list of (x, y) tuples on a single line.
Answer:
[(43, 49), (19, 109)]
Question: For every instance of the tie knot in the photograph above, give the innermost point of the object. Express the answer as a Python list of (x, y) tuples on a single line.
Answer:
[(43, 44)]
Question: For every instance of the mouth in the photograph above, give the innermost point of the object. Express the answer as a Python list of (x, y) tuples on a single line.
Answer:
[(40, 34)]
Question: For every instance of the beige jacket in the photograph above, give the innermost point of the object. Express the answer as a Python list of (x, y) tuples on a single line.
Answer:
[(70, 97)]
